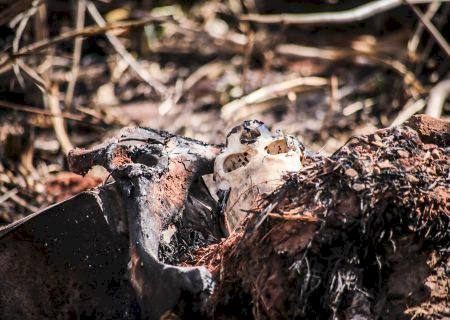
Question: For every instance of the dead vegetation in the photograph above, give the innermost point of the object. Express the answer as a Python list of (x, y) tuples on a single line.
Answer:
[(340, 236), (71, 82)]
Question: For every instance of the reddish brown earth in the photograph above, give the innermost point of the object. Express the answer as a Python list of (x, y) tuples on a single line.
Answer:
[(67, 184)]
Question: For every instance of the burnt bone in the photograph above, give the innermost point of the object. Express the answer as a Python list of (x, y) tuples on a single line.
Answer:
[(154, 171)]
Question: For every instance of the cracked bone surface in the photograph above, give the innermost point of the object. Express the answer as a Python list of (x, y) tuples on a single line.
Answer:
[(252, 165)]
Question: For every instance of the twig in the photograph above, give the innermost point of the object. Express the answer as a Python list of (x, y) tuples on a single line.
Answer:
[(40, 83), (352, 15), (356, 106), (42, 33), (173, 95), (37, 79), (413, 43), (16, 42), (408, 77), (211, 69), (332, 107), (438, 95), (8, 195), (6, 58), (13, 10), (52, 101), (430, 27), (440, 21), (29, 109), (411, 108), (78, 44), (122, 51), (271, 92), (19, 200), (334, 54), (293, 217), (334, 93), (247, 56)]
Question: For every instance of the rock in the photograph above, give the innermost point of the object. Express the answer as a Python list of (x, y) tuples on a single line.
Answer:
[(431, 130)]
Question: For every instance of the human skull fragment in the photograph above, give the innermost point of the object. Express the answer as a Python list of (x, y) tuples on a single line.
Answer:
[(251, 165)]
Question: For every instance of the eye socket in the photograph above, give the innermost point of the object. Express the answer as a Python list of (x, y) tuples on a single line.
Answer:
[(235, 161), (277, 147), (250, 136)]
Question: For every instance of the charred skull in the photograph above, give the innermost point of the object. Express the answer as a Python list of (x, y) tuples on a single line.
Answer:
[(252, 164)]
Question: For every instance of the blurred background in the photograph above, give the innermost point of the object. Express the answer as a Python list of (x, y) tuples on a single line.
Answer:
[(73, 73)]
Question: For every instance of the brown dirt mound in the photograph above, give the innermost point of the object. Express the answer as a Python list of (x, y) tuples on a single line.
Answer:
[(363, 233)]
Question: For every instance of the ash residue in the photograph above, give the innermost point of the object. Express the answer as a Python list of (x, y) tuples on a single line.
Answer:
[(182, 245)]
